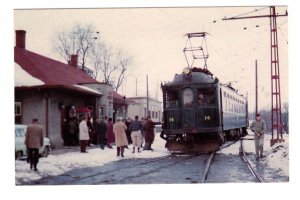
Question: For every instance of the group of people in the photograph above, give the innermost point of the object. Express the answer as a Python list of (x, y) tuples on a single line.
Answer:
[(108, 133)]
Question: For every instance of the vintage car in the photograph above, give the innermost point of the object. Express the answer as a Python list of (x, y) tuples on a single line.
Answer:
[(20, 148)]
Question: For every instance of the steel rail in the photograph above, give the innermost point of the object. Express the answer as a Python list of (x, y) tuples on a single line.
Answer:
[(206, 169), (251, 168)]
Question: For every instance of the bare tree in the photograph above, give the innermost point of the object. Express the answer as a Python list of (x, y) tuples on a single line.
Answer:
[(81, 41), (123, 62), (78, 42), (97, 57), (112, 65)]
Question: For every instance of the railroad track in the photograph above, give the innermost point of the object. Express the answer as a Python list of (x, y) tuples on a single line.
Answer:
[(244, 157), (247, 161), (210, 159), (153, 170), (99, 177), (150, 160)]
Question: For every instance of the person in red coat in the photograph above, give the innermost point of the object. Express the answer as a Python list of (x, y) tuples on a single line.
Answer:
[(34, 140), (149, 136), (110, 133)]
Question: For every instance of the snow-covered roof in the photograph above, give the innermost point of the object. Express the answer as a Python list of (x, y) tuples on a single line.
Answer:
[(22, 78), (88, 89)]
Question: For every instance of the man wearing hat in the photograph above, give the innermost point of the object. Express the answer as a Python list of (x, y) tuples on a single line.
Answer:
[(258, 126), (34, 140)]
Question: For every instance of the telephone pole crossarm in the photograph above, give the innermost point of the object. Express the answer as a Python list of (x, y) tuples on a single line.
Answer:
[(257, 16), (276, 116)]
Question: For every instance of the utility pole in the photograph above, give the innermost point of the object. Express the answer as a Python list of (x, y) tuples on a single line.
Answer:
[(147, 95), (136, 86), (256, 89), (276, 116)]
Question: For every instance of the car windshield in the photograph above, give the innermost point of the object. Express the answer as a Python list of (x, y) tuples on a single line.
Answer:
[(20, 132)]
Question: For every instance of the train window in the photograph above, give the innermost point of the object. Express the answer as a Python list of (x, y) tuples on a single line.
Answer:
[(187, 97), (206, 96), (171, 98)]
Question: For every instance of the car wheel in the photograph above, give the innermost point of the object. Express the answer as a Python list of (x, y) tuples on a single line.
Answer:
[(19, 155), (46, 151)]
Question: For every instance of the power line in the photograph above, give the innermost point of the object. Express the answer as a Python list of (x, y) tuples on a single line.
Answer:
[(256, 10)]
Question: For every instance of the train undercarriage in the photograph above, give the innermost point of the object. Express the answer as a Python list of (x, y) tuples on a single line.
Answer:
[(200, 143)]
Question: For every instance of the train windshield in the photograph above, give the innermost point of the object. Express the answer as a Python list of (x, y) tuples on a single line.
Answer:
[(187, 97), (206, 96), (171, 99)]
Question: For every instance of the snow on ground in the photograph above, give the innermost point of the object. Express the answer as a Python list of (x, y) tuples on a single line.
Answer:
[(276, 157), (61, 163)]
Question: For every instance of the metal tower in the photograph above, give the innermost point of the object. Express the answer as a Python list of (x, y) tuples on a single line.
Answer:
[(276, 116)]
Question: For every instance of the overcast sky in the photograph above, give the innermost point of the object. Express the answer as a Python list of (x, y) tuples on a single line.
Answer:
[(155, 37)]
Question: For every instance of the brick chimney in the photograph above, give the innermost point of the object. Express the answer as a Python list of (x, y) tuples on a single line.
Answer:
[(21, 39), (74, 61)]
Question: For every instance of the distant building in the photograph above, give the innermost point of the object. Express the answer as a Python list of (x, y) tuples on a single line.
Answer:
[(138, 106), (55, 92)]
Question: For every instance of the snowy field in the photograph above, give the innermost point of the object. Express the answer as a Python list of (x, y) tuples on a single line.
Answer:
[(59, 164), (276, 157)]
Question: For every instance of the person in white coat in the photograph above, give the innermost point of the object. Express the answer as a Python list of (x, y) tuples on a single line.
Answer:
[(83, 134)]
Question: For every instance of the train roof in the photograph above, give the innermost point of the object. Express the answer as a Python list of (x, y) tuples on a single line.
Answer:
[(194, 77)]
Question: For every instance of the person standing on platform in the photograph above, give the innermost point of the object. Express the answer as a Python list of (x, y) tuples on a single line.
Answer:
[(83, 134), (101, 129), (110, 133), (135, 128), (34, 139), (258, 126), (120, 136), (149, 137)]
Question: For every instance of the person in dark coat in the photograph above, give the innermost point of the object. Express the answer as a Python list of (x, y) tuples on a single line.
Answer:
[(149, 136), (110, 133), (72, 131), (127, 123), (101, 129), (91, 131), (34, 139)]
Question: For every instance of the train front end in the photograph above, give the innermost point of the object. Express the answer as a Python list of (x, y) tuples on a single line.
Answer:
[(191, 112)]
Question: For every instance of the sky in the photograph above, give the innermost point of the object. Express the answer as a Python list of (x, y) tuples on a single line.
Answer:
[(155, 37)]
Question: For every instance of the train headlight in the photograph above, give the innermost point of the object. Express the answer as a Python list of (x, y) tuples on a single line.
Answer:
[(186, 71)]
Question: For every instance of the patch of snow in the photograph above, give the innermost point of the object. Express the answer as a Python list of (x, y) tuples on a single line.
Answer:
[(59, 164), (277, 156), (22, 78), (87, 89)]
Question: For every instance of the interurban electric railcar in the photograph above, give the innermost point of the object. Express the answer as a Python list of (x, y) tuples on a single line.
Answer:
[(200, 113)]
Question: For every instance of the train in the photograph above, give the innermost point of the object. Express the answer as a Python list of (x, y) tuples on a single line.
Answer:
[(200, 113)]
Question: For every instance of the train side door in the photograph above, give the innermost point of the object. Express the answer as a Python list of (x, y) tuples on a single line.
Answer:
[(188, 111)]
